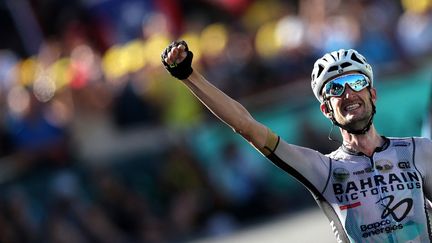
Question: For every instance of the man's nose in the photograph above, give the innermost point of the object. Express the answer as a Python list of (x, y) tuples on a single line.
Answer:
[(347, 92)]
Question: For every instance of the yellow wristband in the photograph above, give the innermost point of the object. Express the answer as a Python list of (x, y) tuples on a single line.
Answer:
[(271, 142)]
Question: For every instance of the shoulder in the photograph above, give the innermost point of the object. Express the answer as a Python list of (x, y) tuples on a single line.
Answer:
[(419, 143), (403, 141), (399, 140), (423, 155), (421, 146), (422, 140), (422, 143), (277, 146)]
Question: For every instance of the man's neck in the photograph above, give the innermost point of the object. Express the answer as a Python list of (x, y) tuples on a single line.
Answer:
[(364, 143)]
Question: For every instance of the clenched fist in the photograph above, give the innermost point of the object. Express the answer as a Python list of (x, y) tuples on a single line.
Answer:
[(177, 59)]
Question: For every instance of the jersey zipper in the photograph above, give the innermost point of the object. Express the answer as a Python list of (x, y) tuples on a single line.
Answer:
[(372, 161), (382, 195)]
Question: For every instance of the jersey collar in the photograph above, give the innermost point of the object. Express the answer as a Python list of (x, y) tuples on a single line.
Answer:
[(377, 149)]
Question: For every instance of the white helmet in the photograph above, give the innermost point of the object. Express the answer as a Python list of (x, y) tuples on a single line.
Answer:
[(336, 63)]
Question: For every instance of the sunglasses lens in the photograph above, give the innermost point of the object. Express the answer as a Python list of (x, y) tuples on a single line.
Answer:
[(359, 84), (336, 87)]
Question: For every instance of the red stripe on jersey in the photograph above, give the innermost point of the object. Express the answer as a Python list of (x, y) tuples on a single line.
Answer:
[(343, 207)]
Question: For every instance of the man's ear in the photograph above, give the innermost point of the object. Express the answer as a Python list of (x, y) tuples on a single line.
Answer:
[(373, 94), (325, 110)]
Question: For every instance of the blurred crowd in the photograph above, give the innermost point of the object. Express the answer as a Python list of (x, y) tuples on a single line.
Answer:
[(73, 70)]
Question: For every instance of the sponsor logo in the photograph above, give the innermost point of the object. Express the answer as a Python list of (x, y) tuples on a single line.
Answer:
[(364, 171), (350, 191), (404, 165), (391, 207), (403, 207), (383, 165), (375, 225), (380, 227), (340, 174), (401, 144)]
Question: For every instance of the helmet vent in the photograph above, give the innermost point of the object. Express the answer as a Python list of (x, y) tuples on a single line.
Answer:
[(320, 69), (333, 68), (345, 64), (355, 58)]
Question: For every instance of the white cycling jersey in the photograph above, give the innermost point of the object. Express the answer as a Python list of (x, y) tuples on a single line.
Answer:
[(381, 198)]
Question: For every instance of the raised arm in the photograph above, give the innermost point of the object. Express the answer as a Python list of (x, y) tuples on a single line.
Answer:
[(177, 59)]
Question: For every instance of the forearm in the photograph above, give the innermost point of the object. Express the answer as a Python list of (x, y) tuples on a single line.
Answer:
[(226, 109), (177, 60)]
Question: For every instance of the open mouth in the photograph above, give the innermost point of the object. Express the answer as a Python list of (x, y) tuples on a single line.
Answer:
[(352, 107)]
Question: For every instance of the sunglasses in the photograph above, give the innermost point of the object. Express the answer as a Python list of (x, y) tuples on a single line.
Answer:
[(336, 87)]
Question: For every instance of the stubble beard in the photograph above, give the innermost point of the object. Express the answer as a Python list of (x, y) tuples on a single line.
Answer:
[(354, 123)]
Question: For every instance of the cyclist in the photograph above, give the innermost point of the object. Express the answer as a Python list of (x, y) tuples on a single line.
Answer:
[(373, 188)]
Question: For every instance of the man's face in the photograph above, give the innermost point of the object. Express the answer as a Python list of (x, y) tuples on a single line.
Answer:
[(352, 109)]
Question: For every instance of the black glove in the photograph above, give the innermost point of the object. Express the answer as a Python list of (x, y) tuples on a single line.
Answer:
[(180, 70)]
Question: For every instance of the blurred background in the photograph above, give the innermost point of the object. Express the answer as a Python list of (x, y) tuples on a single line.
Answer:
[(100, 144)]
